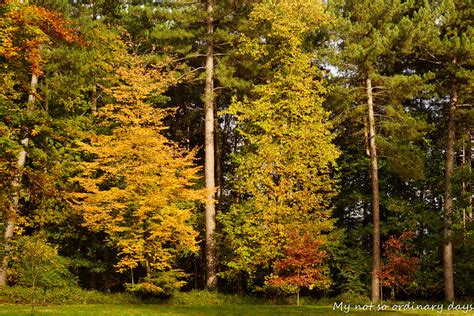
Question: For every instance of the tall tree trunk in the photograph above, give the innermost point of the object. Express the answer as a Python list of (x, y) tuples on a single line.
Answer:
[(94, 99), (12, 213), (16, 188), (469, 165), (448, 197), (218, 159), (366, 137), (464, 187), (375, 196), (211, 251), (32, 96)]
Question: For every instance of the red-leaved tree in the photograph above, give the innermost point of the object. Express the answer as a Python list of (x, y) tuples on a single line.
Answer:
[(400, 265), (303, 264)]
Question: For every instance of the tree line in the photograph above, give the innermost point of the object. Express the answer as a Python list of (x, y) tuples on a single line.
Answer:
[(259, 147)]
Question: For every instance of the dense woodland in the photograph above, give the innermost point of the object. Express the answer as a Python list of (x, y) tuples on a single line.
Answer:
[(262, 148)]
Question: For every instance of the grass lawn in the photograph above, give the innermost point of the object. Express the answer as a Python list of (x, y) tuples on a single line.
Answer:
[(212, 310)]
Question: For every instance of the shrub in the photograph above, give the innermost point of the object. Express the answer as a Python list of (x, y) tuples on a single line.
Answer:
[(39, 264), (163, 284), (64, 296), (210, 298), (198, 298)]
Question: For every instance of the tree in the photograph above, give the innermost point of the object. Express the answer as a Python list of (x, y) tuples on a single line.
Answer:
[(196, 32), (138, 187), (445, 47), (400, 266), (373, 38), (284, 175), (25, 29), (40, 265), (211, 246), (303, 265)]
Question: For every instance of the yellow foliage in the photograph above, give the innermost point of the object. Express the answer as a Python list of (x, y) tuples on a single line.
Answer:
[(139, 188), (285, 173)]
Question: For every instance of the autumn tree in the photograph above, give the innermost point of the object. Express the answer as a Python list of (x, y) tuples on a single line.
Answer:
[(139, 187), (198, 33), (400, 265), (25, 30), (284, 178), (303, 265), (93, 122)]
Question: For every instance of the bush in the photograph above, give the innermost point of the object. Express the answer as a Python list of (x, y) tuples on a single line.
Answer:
[(38, 264), (160, 284), (209, 298), (64, 296), (198, 298)]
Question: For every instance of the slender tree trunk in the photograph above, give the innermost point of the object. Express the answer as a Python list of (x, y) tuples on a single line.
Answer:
[(46, 100), (94, 99), (366, 214), (16, 188), (33, 297), (469, 184), (466, 185), (211, 251), (196, 275), (366, 137), (32, 95), (375, 196), (240, 287), (464, 191), (448, 197), (218, 159), (147, 268), (12, 213), (298, 296)]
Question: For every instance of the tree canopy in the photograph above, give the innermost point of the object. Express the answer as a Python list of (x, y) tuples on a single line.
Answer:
[(268, 148)]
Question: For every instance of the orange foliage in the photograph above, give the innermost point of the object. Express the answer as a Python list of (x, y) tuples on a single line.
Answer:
[(303, 264), (24, 28), (399, 268)]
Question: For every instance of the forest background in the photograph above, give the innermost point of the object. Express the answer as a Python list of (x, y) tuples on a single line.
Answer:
[(265, 148)]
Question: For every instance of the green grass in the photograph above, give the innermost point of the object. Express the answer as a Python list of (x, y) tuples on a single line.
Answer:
[(76, 301), (211, 310)]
